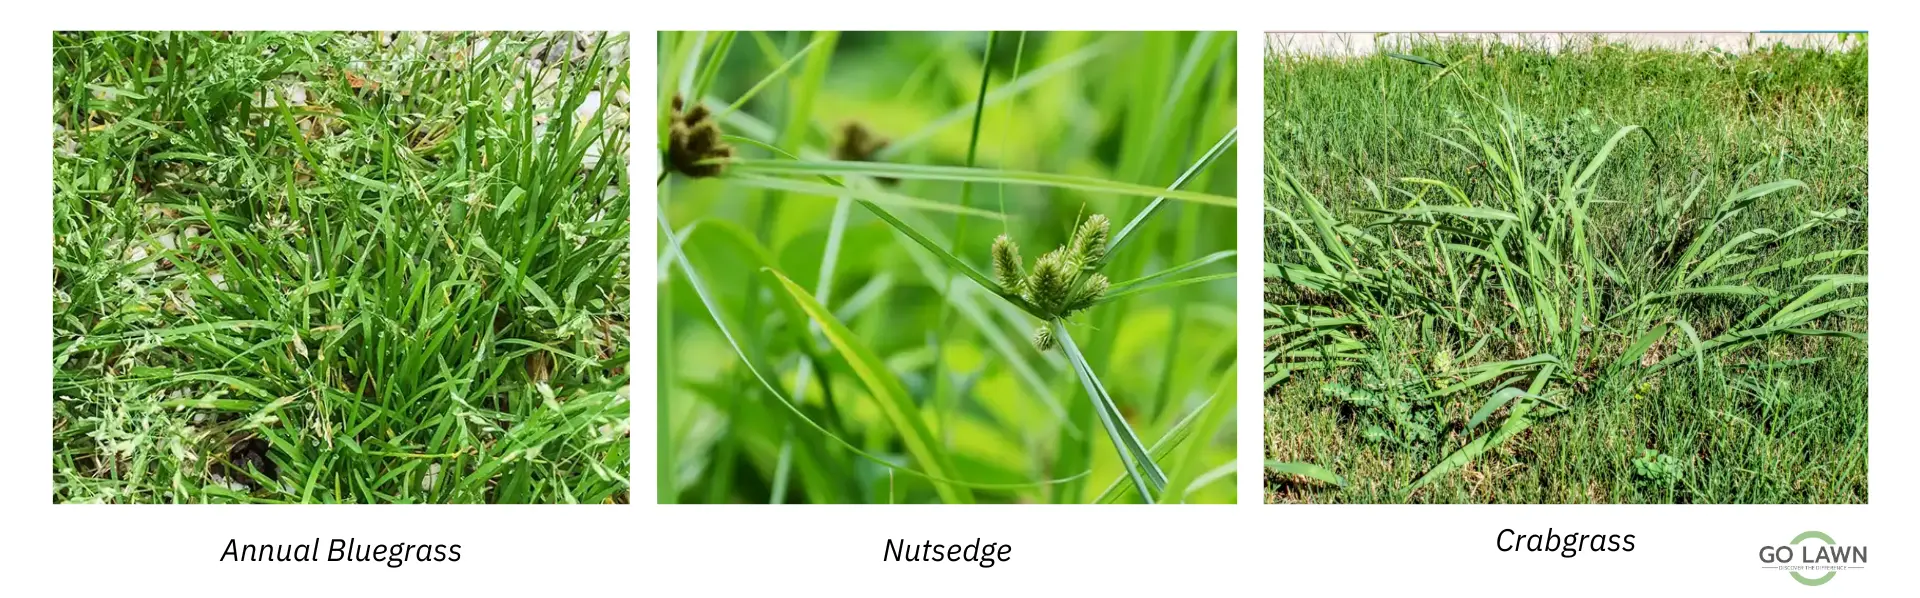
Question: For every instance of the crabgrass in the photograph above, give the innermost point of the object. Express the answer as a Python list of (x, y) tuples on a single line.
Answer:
[(1498, 273), (932, 267), (334, 267)]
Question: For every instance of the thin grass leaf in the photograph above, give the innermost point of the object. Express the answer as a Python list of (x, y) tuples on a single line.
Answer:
[(1119, 490), (726, 332), (1146, 474), (1065, 65), (1420, 60), (1214, 414), (1141, 289), (1306, 470), (770, 78), (869, 195), (964, 174), (1219, 148)]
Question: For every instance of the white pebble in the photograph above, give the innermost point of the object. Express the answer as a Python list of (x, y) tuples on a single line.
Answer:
[(587, 108), (137, 255)]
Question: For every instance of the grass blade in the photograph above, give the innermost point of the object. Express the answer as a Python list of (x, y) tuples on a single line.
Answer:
[(1219, 148), (1304, 469), (1213, 414), (769, 79), (888, 394), (1119, 490), (1019, 85), (760, 373), (1420, 60), (964, 174), (868, 195), (1146, 475)]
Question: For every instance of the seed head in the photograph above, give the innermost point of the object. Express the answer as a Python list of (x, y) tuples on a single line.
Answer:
[(1088, 292), (858, 143), (1006, 264), (1090, 242), (693, 138), (1043, 339), (1051, 281)]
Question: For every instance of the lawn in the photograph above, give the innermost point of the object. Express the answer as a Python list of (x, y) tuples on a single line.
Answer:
[(1497, 273), (340, 268), (946, 267)]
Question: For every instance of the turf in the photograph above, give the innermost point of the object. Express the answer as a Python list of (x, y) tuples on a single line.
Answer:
[(833, 325), (1365, 368), (340, 268)]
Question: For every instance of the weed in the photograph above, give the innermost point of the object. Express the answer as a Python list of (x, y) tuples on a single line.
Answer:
[(1656, 468), (1564, 274), (842, 310), (340, 268)]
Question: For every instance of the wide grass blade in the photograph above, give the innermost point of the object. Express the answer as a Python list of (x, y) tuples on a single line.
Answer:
[(1499, 399), (1307, 470), (1638, 348), (1478, 213), (1480, 374), (1419, 60), (1518, 419)]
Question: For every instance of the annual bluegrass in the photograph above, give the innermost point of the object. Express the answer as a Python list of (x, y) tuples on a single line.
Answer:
[(330, 267), (1504, 274), (923, 267)]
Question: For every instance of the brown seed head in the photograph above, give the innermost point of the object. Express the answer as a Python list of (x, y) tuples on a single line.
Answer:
[(693, 139)]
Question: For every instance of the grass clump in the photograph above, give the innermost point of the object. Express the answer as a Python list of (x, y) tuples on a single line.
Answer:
[(843, 304), (1511, 274), (340, 267)]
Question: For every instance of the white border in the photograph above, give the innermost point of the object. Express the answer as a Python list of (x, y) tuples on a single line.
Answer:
[(832, 550)]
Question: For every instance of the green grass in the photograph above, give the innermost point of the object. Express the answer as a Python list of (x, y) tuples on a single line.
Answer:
[(839, 322), (340, 268), (1500, 274)]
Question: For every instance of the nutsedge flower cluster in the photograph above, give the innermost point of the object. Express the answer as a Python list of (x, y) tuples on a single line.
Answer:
[(694, 145), (1062, 281)]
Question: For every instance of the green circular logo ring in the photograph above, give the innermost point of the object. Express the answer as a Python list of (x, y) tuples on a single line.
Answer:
[(1813, 581)]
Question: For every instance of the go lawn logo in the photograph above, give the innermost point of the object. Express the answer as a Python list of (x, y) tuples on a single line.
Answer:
[(1810, 557)]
